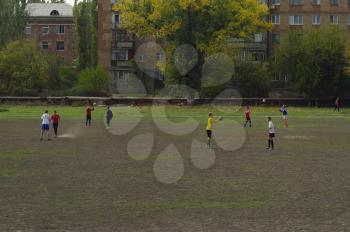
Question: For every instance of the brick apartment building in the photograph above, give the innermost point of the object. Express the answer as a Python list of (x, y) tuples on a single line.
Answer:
[(293, 14), (51, 27)]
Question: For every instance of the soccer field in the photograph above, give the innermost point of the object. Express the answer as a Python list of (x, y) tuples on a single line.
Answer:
[(151, 171)]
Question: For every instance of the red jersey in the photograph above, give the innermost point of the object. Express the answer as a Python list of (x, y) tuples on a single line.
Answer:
[(247, 113), (88, 111), (55, 118)]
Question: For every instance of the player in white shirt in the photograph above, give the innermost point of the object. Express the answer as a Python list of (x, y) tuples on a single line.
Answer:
[(45, 122), (271, 134)]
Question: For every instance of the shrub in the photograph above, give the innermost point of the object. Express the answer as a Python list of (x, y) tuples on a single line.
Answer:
[(93, 82)]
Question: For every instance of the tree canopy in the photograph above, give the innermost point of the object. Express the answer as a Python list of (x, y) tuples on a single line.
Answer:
[(13, 19), (204, 24), (315, 60)]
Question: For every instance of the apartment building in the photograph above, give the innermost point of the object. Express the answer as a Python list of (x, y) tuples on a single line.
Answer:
[(294, 14), (51, 27), (116, 54)]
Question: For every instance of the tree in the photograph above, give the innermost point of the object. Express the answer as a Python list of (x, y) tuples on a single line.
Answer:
[(314, 60), (204, 24), (18, 74), (94, 82), (253, 80), (85, 21), (13, 19)]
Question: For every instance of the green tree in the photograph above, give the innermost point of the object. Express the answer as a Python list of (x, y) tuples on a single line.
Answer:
[(18, 74), (204, 24), (13, 19), (93, 82), (253, 80), (315, 60), (85, 21)]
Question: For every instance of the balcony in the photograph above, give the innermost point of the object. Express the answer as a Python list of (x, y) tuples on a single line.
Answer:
[(121, 64), (124, 44)]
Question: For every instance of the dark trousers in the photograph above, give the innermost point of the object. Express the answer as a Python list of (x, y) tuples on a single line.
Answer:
[(55, 128), (246, 122), (88, 120), (336, 107)]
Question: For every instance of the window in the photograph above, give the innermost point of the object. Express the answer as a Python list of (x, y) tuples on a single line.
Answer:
[(296, 20), (28, 30), (142, 58), (316, 20), (275, 2), (159, 56), (275, 38), (275, 19), (120, 55), (296, 2), (45, 45), (115, 19), (334, 2), (123, 37), (60, 29), (333, 19), (54, 13), (349, 20), (45, 30), (316, 2), (158, 75), (60, 45)]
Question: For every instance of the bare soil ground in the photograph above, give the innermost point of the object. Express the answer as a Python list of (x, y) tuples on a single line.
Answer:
[(88, 182)]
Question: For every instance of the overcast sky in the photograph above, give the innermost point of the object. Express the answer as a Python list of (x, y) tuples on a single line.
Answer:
[(71, 2)]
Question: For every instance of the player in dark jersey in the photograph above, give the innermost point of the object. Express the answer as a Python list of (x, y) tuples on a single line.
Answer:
[(247, 114), (55, 119), (88, 110)]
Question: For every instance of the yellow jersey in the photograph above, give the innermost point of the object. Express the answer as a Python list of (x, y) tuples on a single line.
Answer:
[(210, 123)]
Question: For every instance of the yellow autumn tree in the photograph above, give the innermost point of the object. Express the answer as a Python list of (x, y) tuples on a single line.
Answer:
[(204, 24)]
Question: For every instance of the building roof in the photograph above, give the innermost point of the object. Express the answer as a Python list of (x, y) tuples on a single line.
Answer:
[(49, 9)]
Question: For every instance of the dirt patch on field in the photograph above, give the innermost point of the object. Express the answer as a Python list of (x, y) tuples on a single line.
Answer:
[(85, 180)]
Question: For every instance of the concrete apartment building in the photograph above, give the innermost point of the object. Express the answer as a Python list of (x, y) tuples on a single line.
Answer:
[(296, 14), (51, 27), (116, 53)]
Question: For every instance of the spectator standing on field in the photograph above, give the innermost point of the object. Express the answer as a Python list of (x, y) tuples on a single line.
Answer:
[(109, 116), (337, 104)]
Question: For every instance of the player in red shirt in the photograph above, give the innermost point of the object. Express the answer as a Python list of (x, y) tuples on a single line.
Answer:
[(247, 113), (89, 109), (55, 119)]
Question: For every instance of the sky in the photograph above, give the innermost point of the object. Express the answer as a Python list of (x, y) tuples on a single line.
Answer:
[(71, 2)]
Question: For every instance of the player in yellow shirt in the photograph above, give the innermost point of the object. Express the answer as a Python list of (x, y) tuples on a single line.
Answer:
[(209, 128)]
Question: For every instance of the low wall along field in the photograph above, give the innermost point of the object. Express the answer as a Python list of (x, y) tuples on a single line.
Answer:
[(79, 101)]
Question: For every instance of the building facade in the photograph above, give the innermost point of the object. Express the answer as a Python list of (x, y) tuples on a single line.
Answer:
[(297, 14), (50, 25), (122, 54)]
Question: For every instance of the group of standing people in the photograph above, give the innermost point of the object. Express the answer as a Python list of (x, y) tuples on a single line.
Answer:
[(45, 124), (55, 118), (247, 116)]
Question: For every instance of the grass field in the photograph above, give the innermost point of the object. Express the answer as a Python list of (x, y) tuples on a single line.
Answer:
[(90, 180)]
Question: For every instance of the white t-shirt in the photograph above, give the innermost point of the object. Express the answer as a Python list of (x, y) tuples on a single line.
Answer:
[(271, 127), (45, 119)]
